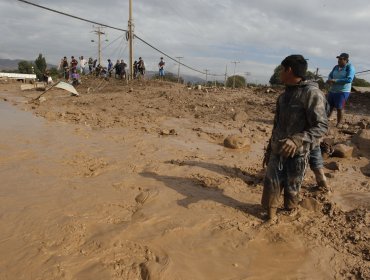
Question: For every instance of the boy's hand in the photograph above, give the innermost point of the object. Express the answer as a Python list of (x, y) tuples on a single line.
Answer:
[(288, 148)]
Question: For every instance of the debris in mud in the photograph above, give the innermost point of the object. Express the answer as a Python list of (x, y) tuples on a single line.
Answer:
[(168, 132), (362, 140), (342, 151), (363, 124), (240, 116), (335, 166), (237, 142)]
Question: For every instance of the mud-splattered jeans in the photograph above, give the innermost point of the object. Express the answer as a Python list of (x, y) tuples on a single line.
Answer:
[(315, 158), (283, 174)]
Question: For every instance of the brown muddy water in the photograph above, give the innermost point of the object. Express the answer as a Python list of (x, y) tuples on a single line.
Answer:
[(79, 203)]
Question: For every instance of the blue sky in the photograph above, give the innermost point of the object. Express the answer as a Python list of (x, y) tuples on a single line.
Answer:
[(208, 34)]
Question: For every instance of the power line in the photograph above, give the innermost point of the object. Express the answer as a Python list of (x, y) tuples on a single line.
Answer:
[(72, 16), (170, 57), (119, 29), (111, 43), (362, 72)]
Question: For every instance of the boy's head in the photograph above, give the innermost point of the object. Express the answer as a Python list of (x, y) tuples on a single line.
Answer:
[(294, 67)]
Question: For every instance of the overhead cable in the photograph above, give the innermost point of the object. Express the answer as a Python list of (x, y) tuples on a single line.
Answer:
[(72, 16), (116, 28), (362, 71)]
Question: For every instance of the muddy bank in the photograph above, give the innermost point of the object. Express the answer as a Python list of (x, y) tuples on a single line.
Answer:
[(98, 187)]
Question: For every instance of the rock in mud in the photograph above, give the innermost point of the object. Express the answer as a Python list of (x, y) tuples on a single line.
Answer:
[(342, 151), (363, 124), (240, 116), (42, 99), (334, 166), (168, 132), (237, 142), (362, 140)]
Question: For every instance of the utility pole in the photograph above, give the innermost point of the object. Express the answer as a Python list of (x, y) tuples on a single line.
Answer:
[(225, 76), (99, 32), (131, 38), (317, 74), (246, 77), (206, 70), (235, 62), (178, 70)]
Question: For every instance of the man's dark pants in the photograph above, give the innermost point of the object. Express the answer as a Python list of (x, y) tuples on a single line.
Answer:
[(283, 174)]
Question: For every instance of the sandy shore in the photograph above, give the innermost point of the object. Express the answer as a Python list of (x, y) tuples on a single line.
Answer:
[(134, 182)]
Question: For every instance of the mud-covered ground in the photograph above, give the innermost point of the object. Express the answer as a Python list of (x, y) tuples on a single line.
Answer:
[(132, 181)]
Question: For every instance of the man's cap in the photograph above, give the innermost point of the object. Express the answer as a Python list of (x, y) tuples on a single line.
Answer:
[(343, 55), (140, 57)]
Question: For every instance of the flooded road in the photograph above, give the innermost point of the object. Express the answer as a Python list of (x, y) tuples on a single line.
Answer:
[(119, 203)]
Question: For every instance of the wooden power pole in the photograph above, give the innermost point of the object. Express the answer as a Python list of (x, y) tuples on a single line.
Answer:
[(178, 70), (99, 32), (235, 62), (131, 38), (206, 70), (225, 76)]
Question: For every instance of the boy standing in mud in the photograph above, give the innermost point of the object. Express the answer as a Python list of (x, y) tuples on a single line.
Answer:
[(300, 121)]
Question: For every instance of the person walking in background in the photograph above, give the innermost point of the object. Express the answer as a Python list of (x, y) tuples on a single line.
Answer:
[(75, 78), (74, 63), (90, 63), (110, 67), (83, 64), (94, 64), (300, 122), (60, 65), (340, 81), (123, 69), (161, 68), (117, 69), (136, 68), (65, 68), (141, 67)]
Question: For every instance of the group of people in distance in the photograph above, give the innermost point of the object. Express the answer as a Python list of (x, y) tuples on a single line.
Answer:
[(69, 69), (301, 121), (71, 72)]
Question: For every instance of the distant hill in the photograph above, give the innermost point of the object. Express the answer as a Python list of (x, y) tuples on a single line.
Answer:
[(9, 64), (12, 64)]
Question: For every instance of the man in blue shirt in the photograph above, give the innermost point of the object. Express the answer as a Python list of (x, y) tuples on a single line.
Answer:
[(340, 79), (110, 68)]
